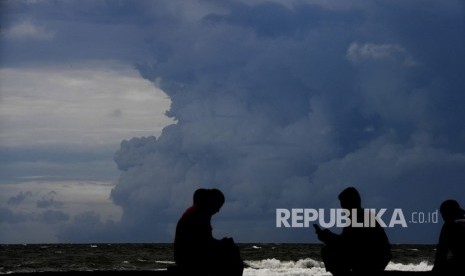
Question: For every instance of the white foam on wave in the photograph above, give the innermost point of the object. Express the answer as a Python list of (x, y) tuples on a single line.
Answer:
[(274, 267), (165, 262), (310, 267), (423, 266)]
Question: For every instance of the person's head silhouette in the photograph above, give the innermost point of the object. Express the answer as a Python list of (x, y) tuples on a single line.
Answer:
[(216, 200), (451, 211), (209, 200), (200, 197), (350, 199)]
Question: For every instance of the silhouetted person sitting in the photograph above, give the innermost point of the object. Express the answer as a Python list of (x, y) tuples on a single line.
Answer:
[(358, 250), (196, 252), (451, 240)]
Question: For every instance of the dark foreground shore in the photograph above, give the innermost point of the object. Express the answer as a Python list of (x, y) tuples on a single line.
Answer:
[(171, 273)]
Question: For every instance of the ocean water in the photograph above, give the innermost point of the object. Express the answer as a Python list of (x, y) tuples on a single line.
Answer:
[(262, 259)]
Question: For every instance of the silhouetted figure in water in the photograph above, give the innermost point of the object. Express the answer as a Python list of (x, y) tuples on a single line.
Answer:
[(196, 252), (362, 250), (451, 240)]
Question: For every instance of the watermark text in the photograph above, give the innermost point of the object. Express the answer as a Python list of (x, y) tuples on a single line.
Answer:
[(304, 217)]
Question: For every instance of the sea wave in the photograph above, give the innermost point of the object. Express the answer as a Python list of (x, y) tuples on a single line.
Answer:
[(310, 267), (274, 267), (422, 266)]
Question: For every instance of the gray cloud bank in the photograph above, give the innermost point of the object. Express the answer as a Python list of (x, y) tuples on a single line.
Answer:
[(284, 106)]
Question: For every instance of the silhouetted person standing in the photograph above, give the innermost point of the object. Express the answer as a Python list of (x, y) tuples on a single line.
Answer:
[(362, 250), (451, 240), (196, 252)]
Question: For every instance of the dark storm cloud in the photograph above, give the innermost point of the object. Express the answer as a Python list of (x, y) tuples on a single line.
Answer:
[(19, 198), (53, 216), (100, 30), (271, 19), (278, 106), (87, 227), (285, 106), (49, 200), (8, 216)]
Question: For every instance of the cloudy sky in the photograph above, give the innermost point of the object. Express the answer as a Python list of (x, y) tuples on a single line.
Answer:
[(113, 112)]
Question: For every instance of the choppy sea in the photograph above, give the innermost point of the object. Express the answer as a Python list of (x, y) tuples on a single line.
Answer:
[(262, 259)]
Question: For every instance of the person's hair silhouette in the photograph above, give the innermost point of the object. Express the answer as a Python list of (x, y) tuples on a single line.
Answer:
[(451, 240), (450, 210), (350, 199), (364, 250), (200, 196), (216, 201), (195, 250)]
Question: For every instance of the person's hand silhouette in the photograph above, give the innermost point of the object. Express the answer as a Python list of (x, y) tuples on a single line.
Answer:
[(323, 234)]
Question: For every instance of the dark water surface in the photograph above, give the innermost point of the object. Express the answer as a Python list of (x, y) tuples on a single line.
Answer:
[(73, 257)]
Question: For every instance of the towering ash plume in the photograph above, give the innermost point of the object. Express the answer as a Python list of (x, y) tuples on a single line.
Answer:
[(282, 107)]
